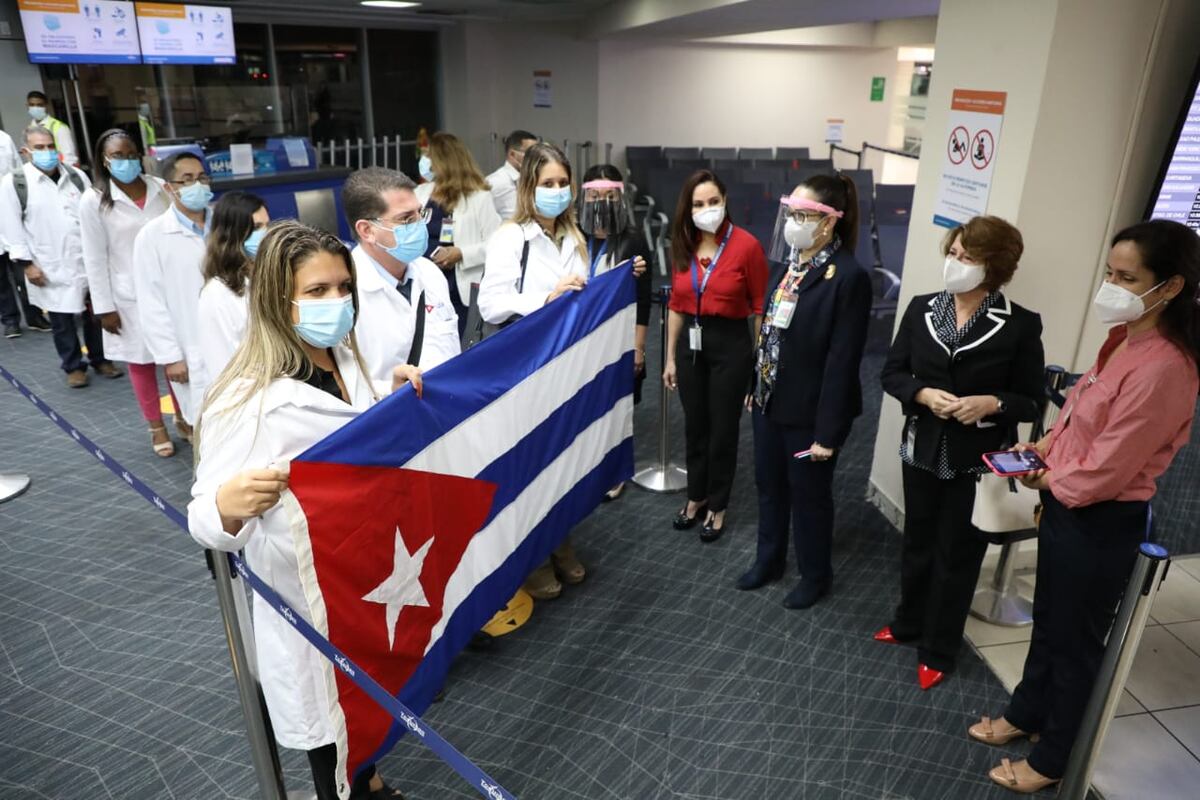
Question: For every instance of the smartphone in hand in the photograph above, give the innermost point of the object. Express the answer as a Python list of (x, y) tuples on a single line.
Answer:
[(1010, 463)]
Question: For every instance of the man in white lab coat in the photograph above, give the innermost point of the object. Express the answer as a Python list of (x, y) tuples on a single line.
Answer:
[(13, 299), (404, 311), (168, 258), (39, 217), (504, 180)]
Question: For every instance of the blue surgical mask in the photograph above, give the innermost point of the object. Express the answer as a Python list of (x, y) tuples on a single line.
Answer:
[(37, 112), (196, 197), (124, 170), (253, 241), (324, 323), (425, 167), (412, 240), (45, 159), (552, 202)]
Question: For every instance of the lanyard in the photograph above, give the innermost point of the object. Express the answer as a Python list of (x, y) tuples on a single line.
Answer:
[(597, 257), (699, 287)]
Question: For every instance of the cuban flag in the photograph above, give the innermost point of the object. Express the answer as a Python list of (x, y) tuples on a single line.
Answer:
[(419, 520)]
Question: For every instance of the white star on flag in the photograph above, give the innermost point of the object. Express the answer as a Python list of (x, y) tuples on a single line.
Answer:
[(403, 587)]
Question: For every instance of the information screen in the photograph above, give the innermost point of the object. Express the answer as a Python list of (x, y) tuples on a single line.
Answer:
[(1179, 192), (182, 34), (80, 31)]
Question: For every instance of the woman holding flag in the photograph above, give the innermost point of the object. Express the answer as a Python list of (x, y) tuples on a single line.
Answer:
[(296, 377)]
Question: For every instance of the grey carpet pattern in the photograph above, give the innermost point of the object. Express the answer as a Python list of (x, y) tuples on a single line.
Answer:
[(653, 679)]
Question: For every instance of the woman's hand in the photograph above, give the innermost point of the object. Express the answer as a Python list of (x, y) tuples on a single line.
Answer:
[(639, 362), (821, 453), (1038, 481), (669, 374), (447, 257), (937, 401), (176, 372), (110, 322), (969, 410), (571, 283), (749, 402), (34, 274), (639, 266), (250, 493), (407, 373)]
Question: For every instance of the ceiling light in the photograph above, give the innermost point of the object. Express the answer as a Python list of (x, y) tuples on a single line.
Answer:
[(387, 4)]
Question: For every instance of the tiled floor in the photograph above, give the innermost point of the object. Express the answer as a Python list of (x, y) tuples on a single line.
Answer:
[(1152, 751)]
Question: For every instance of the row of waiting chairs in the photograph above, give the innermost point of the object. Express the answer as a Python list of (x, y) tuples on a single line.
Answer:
[(635, 153)]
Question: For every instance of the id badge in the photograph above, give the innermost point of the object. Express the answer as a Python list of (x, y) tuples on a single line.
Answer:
[(694, 339), (782, 318), (447, 235)]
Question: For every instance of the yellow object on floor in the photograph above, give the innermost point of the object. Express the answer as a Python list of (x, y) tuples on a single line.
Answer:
[(516, 612), (165, 404)]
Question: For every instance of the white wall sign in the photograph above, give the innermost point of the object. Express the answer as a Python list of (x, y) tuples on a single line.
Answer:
[(833, 130), (542, 97), (972, 136)]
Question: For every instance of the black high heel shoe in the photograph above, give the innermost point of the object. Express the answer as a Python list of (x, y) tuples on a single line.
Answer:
[(709, 533), (683, 522)]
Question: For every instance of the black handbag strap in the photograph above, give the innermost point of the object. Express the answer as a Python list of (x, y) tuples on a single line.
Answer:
[(524, 264), (418, 342)]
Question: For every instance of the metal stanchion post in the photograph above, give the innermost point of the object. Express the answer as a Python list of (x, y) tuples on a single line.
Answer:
[(663, 475), (1149, 571), (12, 485)]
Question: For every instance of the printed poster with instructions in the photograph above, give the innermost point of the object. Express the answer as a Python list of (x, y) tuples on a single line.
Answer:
[(973, 134)]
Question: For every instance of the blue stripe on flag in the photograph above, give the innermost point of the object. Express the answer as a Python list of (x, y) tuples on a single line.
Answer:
[(460, 388)]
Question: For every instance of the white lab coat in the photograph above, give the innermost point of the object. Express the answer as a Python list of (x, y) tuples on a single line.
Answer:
[(48, 236), (504, 190), (223, 320), (10, 155), (386, 321), (270, 429), (547, 265), (475, 220), (108, 238), (167, 259)]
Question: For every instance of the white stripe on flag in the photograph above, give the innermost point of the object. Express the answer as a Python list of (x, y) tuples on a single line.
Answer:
[(485, 436), (492, 546)]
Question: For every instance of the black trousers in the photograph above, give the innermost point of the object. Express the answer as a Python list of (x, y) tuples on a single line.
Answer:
[(323, 762), (939, 565), (66, 340), (712, 388), (792, 492), (13, 298), (1085, 556)]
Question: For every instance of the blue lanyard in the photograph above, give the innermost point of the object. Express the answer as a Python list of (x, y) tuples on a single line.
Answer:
[(698, 287), (597, 257)]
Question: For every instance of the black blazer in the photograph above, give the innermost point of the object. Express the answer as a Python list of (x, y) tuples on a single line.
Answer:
[(817, 384), (1002, 356)]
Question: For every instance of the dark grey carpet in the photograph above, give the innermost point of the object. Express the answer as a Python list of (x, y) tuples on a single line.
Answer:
[(654, 679)]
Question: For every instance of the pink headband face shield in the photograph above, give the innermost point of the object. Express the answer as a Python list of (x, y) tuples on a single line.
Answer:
[(604, 208), (796, 222)]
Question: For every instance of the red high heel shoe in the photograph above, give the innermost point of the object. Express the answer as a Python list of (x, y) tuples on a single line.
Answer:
[(928, 677), (886, 636)]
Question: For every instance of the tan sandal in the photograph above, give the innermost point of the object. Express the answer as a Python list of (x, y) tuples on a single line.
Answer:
[(568, 568), (541, 583), (1006, 776), (984, 731), (162, 449)]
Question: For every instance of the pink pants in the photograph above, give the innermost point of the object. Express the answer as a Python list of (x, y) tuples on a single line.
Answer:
[(144, 378)]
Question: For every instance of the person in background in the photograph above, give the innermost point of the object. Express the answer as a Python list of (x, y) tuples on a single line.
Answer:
[(297, 378), (606, 219), (1121, 427), (805, 393), (121, 202), (13, 299), (967, 366), (459, 214), (64, 140), (718, 280), (39, 218), (146, 123), (504, 180), (535, 258), (405, 313), (168, 255), (239, 222)]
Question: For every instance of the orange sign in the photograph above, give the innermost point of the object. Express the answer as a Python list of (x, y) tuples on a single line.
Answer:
[(161, 10), (971, 100), (53, 6)]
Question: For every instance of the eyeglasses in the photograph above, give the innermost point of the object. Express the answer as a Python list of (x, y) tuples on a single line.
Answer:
[(805, 216), (186, 182), (407, 219)]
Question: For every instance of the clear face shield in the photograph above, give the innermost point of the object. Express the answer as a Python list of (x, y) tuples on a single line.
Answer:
[(798, 225), (604, 208)]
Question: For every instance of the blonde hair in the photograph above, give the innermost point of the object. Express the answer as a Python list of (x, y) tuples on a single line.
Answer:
[(271, 348), (456, 173), (536, 157)]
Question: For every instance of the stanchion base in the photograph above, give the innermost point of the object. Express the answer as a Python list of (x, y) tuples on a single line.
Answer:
[(12, 486), (657, 479), (301, 794), (1002, 608)]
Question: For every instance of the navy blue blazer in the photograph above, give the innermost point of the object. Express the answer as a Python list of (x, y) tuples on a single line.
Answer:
[(817, 385)]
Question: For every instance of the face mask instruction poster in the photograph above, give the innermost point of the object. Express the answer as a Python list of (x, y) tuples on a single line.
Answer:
[(80, 31), (542, 97), (973, 134), (180, 34)]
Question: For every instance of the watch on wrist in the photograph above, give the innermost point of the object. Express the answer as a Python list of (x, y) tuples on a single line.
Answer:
[(1001, 406)]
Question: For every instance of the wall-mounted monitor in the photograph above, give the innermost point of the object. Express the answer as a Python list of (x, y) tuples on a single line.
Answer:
[(1177, 193), (80, 31), (184, 34)]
